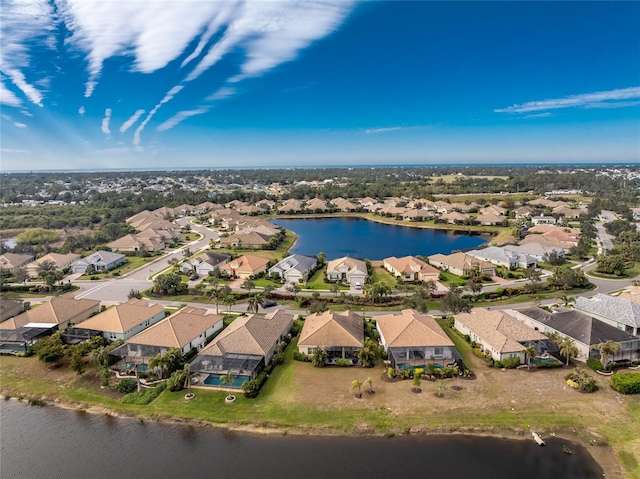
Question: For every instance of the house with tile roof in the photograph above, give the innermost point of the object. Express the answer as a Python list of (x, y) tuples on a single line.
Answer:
[(461, 264), (186, 329), (340, 334), (290, 206), (140, 242), (618, 312), (60, 261), (123, 320), (244, 347), (499, 334), (60, 311), (249, 239), (504, 257), (316, 205), (98, 261), (410, 269), (347, 269), (12, 261), (245, 266), (454, 217), (413, 339), (537, 251), (489, 219), (586, 331), (294, 268), (208, 261), (10, 308)]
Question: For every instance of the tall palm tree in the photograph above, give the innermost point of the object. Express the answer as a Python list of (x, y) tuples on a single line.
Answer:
[(227, 379), (100, 357), (607, 349), (158, 362), (356, 386), (531, 354), (215, 294), (568, 349), (254, 303), (187, 370)]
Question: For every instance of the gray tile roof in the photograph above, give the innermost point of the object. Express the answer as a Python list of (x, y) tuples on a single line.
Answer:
[(616, 309), (579, 326), (297, 262)]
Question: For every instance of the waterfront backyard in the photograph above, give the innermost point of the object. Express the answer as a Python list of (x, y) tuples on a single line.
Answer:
[(303, 399)]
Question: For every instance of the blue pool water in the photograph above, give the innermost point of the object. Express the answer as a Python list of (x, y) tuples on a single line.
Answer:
[(238, 381)]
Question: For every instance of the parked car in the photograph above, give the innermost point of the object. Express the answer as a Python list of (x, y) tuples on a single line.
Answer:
[(270, 304), (194, 276)]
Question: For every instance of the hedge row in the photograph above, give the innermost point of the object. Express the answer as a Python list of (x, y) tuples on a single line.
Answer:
[(626, 383)]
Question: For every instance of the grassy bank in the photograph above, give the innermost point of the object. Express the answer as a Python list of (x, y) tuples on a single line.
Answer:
[(299, 398)]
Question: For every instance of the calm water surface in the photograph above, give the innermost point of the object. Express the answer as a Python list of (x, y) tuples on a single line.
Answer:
[(54, 443), (357, 237)]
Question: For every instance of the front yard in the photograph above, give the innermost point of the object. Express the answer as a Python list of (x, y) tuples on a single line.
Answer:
[(131, 263)]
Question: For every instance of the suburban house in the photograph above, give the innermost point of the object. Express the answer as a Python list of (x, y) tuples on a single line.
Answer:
[(524, 212), (489, 219), (537, 251), (501, 335), (290, 206), (243, 348), (620, 313), (98, 261), (208, 261), (543, 220), (246, 239), (344, 205), (294, 268), (245, 266), (316, 205), (139, 242), (60, 261), (585, 330), (412, 339), (12, 261), (350, 269), (461, 264), (61, 312), (410, 268), (503, 257), (18, 340), (186, 329), (340, 334), (454, 217), (10, 308), (123, 320)]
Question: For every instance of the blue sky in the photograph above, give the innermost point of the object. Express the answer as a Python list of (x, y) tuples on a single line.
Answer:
[(113, 84)]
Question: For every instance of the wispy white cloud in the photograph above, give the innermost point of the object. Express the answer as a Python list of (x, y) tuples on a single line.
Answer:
[(602, 99), (26, 113), (17, 124), (127, 124), (7, 97), (180, 116), (372, 131), (105, 122), (222, 93), (168, 97), (25, 23), (13, 150), (81, 110), (118, 150)]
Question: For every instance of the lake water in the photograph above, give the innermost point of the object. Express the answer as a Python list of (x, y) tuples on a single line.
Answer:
[(357, 237), (55, 443)]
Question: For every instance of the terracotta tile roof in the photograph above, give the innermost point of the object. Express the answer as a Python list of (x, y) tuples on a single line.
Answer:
[(251, 334), (410, 264), (123, 317), (461, 261), (333, 329), (60, 260), (245, 264), (351, 264), (57, 311), (177, 330), (10, 261), (411, 328), (499, 330)]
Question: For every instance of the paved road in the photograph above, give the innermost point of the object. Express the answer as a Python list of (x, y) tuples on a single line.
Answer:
[(116, 290), (606, 240)]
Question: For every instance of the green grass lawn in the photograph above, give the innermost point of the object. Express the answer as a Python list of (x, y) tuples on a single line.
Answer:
[(631, 271), (382, 275), (450, 278), (131, 263)]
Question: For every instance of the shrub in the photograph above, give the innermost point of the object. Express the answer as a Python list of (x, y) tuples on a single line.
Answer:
[(277, 359), (343, 362), (298, 356), (391, 372), (511, 363), (552, 365), (145, 396), (594, 364), (626, 383), (126, 385)]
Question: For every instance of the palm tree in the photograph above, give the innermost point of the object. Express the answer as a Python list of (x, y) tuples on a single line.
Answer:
[(369, 382), (227, 379), (531, 353), (607, 349), (254, 303), (367, 354), (158, 362), (377, 290), (319, 357), (356, 386), (568, 349), (215, 294), (566, 300), (100, 357), (187, 370), (229, 300)]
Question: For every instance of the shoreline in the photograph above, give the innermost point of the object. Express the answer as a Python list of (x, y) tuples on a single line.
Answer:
[(601, 452)]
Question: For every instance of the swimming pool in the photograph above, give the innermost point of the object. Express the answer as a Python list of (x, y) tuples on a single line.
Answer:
[(238, 381)]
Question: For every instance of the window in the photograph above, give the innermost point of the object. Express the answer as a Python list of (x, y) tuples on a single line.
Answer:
[(437, 351), (309, 350)]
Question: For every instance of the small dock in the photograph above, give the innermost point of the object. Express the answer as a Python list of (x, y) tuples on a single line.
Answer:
[(537, 438)]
